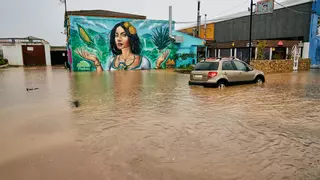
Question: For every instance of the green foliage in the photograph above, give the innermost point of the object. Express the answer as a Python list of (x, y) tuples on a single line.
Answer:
[(261, 46), (185, 56), (3, 61), (160, 38), (186, 67)]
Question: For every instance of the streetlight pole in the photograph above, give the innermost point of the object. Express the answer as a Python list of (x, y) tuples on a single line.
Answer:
[(250, 33)]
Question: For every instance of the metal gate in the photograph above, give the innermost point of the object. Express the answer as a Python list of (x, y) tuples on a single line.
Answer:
[(33, 55)]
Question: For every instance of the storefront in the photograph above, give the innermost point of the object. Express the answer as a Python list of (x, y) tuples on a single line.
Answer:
[(273, 49)]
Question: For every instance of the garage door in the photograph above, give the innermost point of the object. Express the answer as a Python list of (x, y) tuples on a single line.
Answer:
[(33, 55)]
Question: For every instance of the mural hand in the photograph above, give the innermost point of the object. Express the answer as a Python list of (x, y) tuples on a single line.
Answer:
[(85, 54), (162, 58)]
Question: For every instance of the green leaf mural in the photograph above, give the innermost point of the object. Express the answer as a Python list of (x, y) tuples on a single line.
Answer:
[(160, 38), (85, 37)]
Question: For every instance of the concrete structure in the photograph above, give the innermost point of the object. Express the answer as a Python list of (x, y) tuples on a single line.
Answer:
[(25, 51)]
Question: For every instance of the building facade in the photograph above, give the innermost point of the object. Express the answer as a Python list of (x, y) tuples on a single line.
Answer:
[(293, 22), (27, 51), (288, 25)]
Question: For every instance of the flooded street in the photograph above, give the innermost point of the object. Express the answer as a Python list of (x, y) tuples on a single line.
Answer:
[(144, 125)]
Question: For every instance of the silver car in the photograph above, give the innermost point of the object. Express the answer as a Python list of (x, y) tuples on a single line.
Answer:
[(223, 72)]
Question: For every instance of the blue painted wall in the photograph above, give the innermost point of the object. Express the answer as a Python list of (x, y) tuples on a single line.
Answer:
[(189, 46), (314, 51)]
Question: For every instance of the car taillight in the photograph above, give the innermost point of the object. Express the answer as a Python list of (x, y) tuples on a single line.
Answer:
[(212, 74)]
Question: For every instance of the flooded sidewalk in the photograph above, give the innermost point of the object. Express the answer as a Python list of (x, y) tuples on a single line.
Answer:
[(144, 125)]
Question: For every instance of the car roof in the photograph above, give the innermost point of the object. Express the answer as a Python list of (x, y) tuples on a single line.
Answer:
[(221, 60)]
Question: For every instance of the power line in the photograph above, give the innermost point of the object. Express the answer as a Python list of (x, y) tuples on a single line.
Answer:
[(214, 18)]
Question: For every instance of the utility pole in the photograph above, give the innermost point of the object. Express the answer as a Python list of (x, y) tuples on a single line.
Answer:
[(198, 20), (205, 35), (250, 33), (65, 14), (170, 21)]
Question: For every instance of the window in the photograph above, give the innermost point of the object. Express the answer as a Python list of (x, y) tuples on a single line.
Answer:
[(203, 66), (240, 66), (227, 65), (249, 67)]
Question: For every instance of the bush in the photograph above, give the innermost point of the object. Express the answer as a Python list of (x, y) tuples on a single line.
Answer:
[(186, 67), (3, 61)]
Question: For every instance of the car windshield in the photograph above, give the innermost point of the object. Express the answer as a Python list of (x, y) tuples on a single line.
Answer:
[(204, 66)]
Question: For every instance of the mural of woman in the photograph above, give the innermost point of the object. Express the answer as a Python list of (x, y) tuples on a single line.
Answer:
[(126, 48)]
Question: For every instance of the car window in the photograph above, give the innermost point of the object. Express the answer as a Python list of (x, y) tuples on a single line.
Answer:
[(227, 65), (240, 66), (204, 66), (249, 67)]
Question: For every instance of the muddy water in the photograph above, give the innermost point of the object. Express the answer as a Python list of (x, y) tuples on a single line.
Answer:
[(151, 125)]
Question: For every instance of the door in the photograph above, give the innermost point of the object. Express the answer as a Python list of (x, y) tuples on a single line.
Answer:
[(33, 55), (58, 57), (230, 71), (244, 73)]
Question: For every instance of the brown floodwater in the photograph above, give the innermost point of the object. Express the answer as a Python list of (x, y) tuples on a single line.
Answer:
[(144, 125)]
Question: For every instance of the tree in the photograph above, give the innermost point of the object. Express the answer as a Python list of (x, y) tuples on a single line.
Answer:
[(261, 46)]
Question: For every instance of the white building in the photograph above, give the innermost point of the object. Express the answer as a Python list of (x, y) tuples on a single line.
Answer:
[(25, 51)]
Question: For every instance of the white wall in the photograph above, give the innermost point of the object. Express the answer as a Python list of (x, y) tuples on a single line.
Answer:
[(305, 52), (13, 53), (47, 50)]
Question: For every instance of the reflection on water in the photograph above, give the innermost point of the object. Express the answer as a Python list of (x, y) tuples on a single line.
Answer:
[(152, 125)]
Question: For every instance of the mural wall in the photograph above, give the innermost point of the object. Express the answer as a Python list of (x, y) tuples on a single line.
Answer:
[(102, 44), (118, 44)]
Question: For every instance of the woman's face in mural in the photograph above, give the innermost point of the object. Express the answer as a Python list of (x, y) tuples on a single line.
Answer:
[(121, 38)]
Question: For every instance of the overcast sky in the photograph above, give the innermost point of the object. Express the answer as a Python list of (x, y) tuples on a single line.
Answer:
[(44, 18)]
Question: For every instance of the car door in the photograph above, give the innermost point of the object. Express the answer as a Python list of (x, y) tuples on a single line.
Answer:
[(229, 71), (245, 74)]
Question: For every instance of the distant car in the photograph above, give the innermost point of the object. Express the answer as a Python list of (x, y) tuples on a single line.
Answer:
[(224, 72)]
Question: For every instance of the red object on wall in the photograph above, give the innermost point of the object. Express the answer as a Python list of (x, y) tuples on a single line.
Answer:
[(280, 43)]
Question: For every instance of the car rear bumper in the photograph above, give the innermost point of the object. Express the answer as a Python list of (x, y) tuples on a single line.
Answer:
[(202, 83)]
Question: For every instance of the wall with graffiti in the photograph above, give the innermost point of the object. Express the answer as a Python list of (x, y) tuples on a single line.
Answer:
[(97, 43)]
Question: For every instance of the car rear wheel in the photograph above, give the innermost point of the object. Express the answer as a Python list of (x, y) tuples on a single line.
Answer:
[(221, 84)]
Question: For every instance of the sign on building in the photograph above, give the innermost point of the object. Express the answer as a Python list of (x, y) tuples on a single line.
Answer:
[(265, 6)]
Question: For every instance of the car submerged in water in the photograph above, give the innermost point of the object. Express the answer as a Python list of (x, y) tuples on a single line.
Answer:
[(223, 72)]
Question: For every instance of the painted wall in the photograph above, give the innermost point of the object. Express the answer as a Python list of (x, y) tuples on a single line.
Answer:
[(14, 54), (209, 33), (47, 53), (314, 49), (122, 44), (187, 51), (305, 51)]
